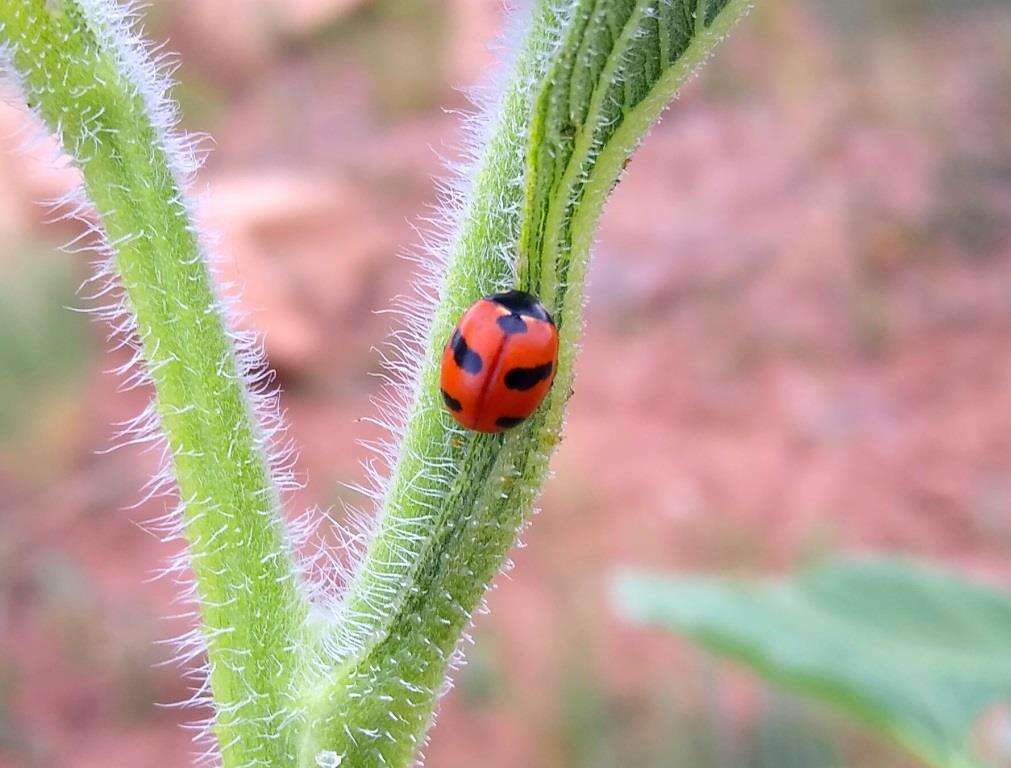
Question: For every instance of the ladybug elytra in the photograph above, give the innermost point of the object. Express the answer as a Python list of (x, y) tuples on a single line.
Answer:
[(500, 361)]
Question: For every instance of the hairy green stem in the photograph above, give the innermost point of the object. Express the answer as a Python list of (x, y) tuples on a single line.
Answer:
[(359, 688), (251, 608), (583, 93)]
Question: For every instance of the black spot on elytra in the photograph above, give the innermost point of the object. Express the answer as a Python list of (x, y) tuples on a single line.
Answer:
[(527, 378), (512, 324), (507, 422), (522, 303), (465, 357), (451, 402)]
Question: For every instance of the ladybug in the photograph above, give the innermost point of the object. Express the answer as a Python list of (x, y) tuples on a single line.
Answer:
[(500, 361)]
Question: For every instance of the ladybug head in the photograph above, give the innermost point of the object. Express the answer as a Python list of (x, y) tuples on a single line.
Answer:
[(522, 303)]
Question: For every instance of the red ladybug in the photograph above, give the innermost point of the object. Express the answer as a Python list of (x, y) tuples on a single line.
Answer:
[(500, 361)]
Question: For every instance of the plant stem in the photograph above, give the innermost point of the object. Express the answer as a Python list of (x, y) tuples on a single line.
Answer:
[(72, 61), (357, 688), (457, 500)]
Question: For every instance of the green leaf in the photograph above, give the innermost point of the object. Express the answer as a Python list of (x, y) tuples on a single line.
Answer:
[(916, 652)]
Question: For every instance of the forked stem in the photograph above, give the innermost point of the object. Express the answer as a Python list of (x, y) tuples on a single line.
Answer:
[(292, 687)]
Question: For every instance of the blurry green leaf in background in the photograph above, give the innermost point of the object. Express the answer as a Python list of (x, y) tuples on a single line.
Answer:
[(918, 653)]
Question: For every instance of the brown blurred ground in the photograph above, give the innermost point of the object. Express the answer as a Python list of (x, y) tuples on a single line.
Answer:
[(798, 344)]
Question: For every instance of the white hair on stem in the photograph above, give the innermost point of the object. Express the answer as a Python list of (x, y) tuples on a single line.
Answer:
[(147, 70), (324, 570)]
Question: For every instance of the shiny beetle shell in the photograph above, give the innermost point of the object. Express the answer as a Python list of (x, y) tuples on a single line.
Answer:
[(499, 362)]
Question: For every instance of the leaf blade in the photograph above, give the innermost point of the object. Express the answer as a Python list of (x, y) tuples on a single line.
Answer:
[(913, 651)]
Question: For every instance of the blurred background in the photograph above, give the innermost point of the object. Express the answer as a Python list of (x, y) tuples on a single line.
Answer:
[(798, 344)]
